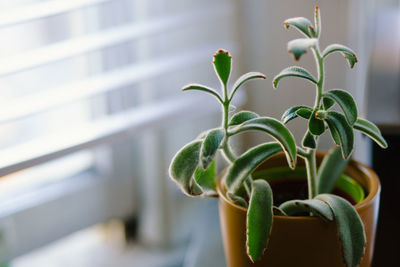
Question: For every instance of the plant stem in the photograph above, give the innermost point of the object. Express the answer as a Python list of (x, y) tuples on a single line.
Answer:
[(309, 155)]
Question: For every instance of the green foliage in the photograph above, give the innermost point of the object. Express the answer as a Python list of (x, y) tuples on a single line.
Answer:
[(193, 168), (259, 219)]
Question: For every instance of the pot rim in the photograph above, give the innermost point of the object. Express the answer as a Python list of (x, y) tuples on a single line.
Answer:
[(370, 183)]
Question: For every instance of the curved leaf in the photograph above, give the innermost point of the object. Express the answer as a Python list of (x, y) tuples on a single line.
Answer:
[(291, 113), (205, 179), (277, 130), (238, 200), (345, 51), (294, 71), (350, 228), (316, 126), (346, 103), (222, 63), (317, 21), (244, 78), (300, 24), (299, 46), (259, 219), (278, 212), (317, 207), (199, 87), (342, 129), (370, 129), (327, 103), (210, 146), (241, 117), (247, 163), (304, 112), (184, 165), (331, 168), (309, 141)]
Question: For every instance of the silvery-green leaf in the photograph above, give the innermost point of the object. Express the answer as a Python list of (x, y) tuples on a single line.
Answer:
[(300, 24), (337, 123), (259, 219), (210, 146), (345, 51), (199, 87), (370, 129), (317, 207), (331, 168), (184, 165), (346, 103), (317, 21), (247, 163), (291, 113), (238, 200), (222, 63), (205, 179), (299, 46), (293, 71), (241, 117), (274, 128), (244, 78), (349, 226)]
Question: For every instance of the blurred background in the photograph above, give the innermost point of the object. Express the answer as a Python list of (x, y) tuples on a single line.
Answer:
[(92, 112)]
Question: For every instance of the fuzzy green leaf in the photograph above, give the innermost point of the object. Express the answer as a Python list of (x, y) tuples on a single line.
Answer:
[(327, 103), (317, 21), (222, 63), (199, 87), (247, 163), (350, 228), (300, 24), (331, 168), (277, 130), (210, 146), (345, 51), (309, 141), (184, 165), (293, 71), (205, 179), (259, 219), (337, 123), (317, 207), (291, 113), (299, 46), (346, 103), (244, 78), (241, 117), (370, 129), (316, 126), (238, 200)]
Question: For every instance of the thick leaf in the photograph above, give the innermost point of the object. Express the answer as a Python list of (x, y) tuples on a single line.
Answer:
[(277, 130), (300, 24), (247, 163), (370, 129), (317, 21), (309, 141), (241, 117), (304, 112), (350, 228), (331, 168), (259, 219), (222, 63), (199, 87), (327, 103), (316, 126), (293, 71), (291, 113), (238, 200), (244, 78), (299, 46), (278, 212), (345, 51), (184, 165), (317, 207), (346, 103), (337, 123), (210, 146), (205, 179)]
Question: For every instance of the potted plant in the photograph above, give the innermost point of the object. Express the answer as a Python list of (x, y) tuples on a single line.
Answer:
[(266, 213)]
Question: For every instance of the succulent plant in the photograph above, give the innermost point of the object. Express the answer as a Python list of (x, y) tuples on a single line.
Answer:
[(193, 168)]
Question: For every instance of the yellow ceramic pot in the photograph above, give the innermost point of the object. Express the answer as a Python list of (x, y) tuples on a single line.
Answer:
[(300, 241)]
